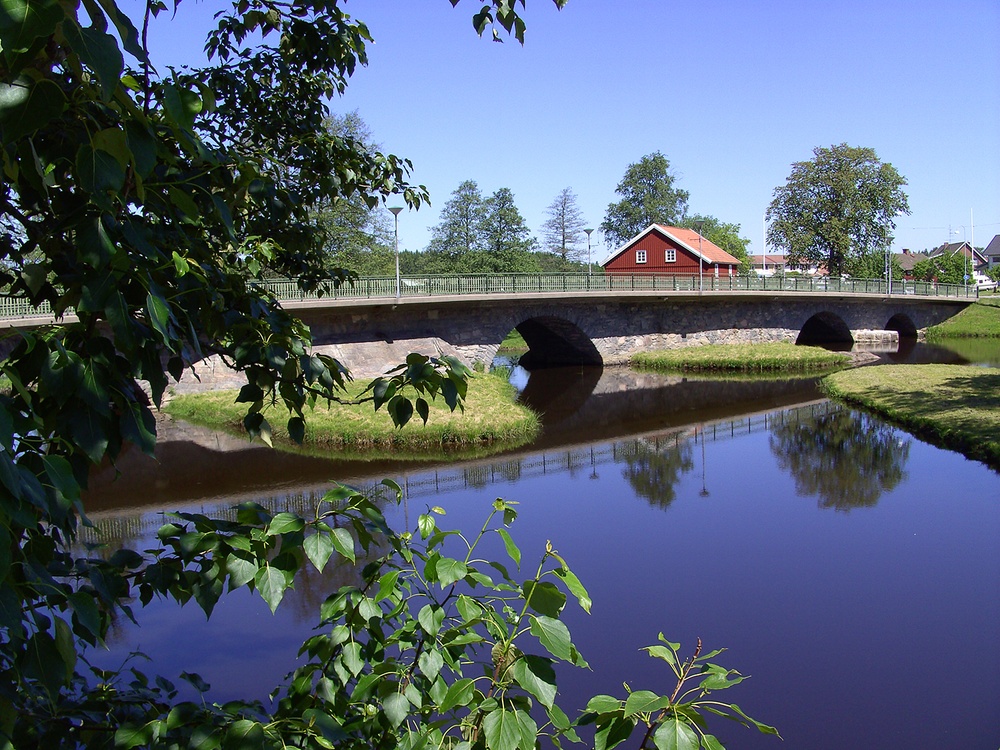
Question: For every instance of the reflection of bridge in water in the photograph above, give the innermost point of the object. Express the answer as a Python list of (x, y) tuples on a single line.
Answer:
[(126, 527), (589, 458)]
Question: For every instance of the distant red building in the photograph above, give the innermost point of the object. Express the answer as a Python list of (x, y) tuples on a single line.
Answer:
[(670, 250)]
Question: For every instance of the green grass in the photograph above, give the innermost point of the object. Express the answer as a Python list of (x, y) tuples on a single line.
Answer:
[(492, 421), (513, 342), (980, 319), (954, 406), (766, 357)]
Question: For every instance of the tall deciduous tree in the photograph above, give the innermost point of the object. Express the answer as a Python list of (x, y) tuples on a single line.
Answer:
[(359, 237), (649, 196), (507, 241), (562, 232), (839, 205), (459, 232)]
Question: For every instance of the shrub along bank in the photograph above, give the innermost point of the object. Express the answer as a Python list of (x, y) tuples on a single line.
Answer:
[(953, 406)]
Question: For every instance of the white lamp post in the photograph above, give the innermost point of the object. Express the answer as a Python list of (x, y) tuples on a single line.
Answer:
[(888, 272), (588, 232), (699, 225), (395, 213), (967, 258)]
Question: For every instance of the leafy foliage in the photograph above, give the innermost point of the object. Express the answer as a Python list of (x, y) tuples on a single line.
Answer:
[(724, 235), (648, 197), (358, 237), (945, 268), (840, 205), (872, 266), (148, 207)]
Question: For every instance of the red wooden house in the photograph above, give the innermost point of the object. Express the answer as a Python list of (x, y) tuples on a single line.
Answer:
[(661, 249)]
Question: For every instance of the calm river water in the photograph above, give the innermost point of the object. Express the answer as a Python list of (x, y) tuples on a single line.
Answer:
[(847, 566)]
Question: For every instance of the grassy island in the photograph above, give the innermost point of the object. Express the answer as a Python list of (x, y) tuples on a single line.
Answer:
[(777, 356), (492, 420), (980, 319), (953, 406)]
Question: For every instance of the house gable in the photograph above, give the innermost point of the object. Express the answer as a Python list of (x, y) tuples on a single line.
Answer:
[(670, 250)]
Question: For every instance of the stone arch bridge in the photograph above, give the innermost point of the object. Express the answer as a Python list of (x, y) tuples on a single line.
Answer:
[(371, 335)]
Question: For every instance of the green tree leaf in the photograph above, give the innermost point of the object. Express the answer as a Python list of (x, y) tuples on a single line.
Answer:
[(27, 105), (512, 550), (285, 523), (674, 734), (24, 21), (502, 731), (536, 675), (460, 693), (554, 636), (396, 708), (450, 570), (318, 548), (645, 701), (271, 584), (575, 587), (544, 597), (99, 51), (343, 542)]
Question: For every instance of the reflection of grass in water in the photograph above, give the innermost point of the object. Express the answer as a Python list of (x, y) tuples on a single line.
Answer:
[(694, 376), (775, 356), (954, 406), (492, 421), (985, 350)]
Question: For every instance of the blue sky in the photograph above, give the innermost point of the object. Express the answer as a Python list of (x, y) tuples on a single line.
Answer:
[(732, 93)]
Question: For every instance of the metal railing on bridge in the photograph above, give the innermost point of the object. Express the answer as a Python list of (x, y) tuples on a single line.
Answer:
[(384, 287), (542, 283)]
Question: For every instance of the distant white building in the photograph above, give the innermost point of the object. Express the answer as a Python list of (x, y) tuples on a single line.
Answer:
[(768, 265)]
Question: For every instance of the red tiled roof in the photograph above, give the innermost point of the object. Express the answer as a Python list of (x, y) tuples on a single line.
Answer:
[(708, 250), (772, 260)]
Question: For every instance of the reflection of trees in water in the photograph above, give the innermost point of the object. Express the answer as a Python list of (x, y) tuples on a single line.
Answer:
[(655, 468), (846, 458)]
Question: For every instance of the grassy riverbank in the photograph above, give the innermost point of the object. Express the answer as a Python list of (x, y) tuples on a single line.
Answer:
[(514, 343), (979, 320), (492, 420), (765, 357), (953, 406)]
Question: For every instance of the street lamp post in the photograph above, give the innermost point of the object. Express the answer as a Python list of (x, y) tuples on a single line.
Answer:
[(966, 259), (588, 232), (395, 213), (700, 225), (888, 272)]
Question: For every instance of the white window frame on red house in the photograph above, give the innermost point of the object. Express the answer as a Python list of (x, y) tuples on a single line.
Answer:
[(640, 256), (670, 255)]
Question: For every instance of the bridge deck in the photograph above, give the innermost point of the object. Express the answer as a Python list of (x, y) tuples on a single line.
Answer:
[(419, 290)]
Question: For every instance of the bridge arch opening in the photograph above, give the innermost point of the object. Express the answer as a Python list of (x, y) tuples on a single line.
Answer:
[(825, 329), (903, 325), (555, 342)]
